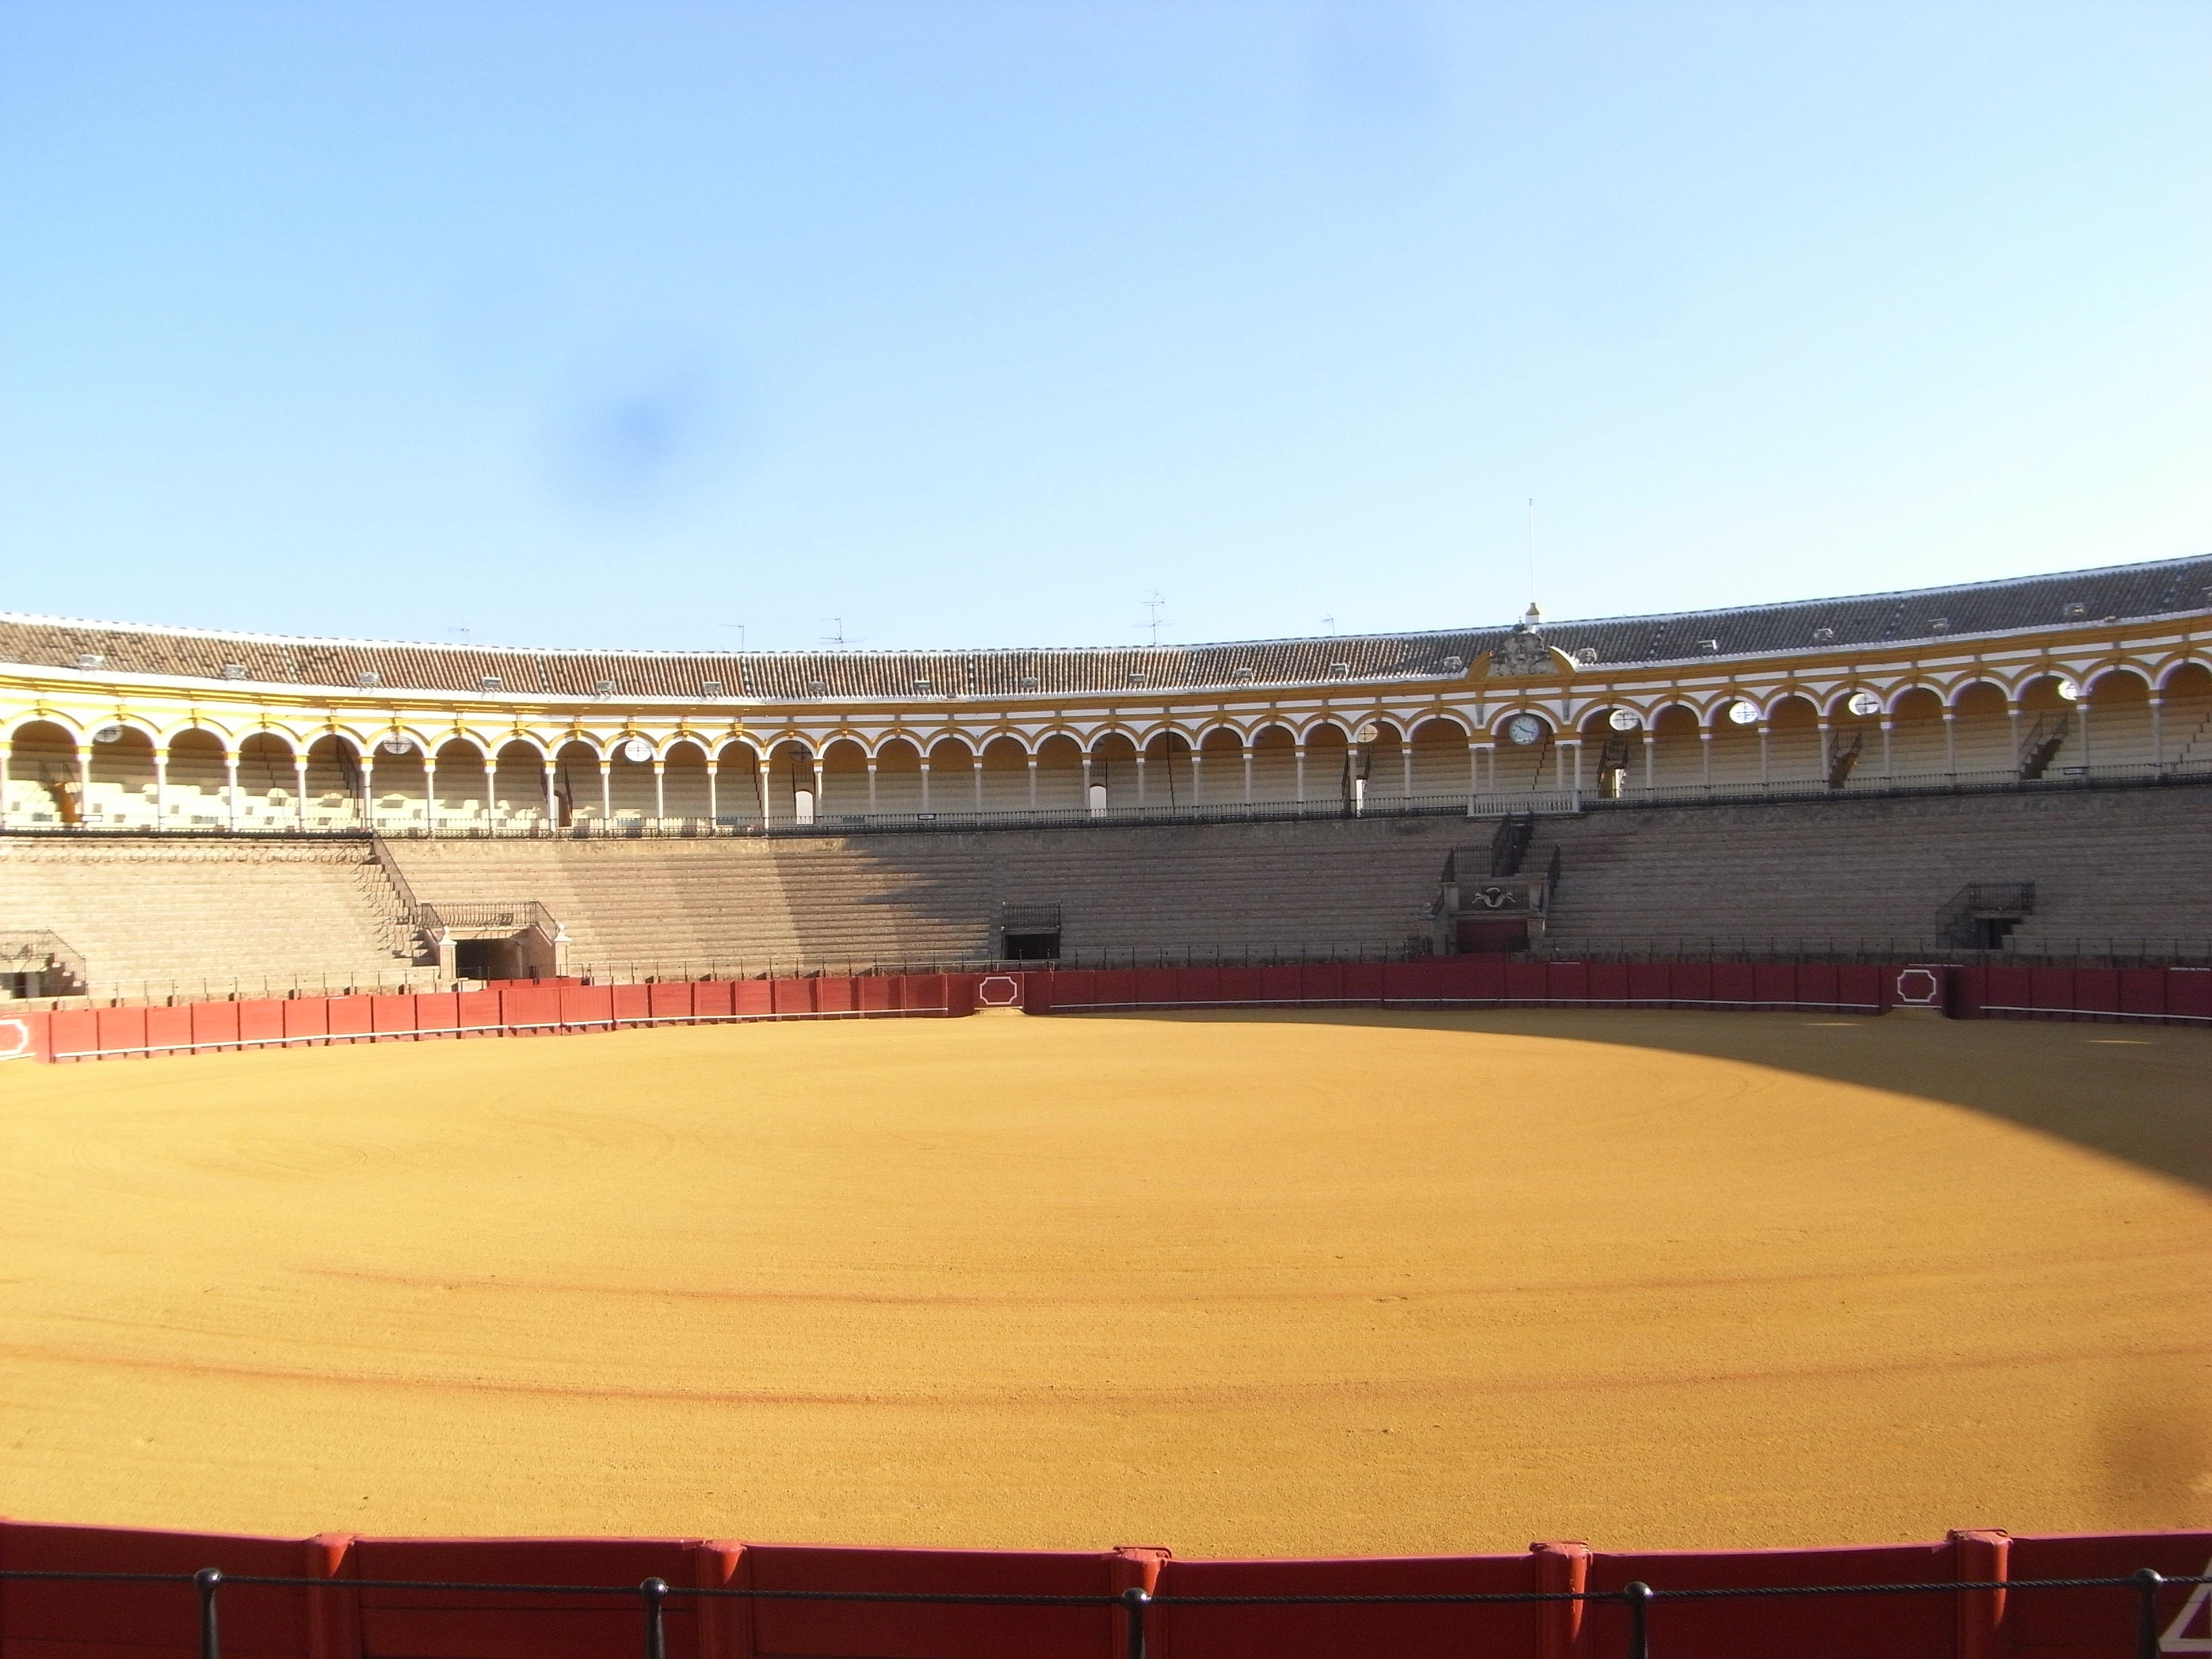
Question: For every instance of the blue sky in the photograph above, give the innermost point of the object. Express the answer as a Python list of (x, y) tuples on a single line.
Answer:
[(636, 324)]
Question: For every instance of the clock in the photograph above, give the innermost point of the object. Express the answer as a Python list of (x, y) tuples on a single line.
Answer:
[(1524, 729), (636, 751)]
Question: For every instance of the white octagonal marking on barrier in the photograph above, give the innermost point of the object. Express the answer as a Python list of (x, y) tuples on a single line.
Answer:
[(999, 991), (14, 1038), (1917, 987)]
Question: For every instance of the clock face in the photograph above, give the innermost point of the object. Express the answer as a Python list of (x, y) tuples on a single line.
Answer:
[(1524, 729)]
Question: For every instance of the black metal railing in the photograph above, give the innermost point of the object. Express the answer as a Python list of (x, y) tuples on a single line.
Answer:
[(2136, 1613)]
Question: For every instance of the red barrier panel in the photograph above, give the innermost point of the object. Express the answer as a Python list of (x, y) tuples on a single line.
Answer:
[(629, 1003), (72, 1031), (1569, 982), (2097, 990), (308, 1016), (534, 1007), (875, 993), (1735, 984), (862, 1629), (588, 1008), (1321, 981), (350, 1017), (436, 1012), (120, 1028), (2087, 1624), (27, 1036), (1433, 1631), (712, 997), (110, 1620), (261, 1022), (168, 1031), (1774, 985), (474, 1624), (2143, 990), (474, 1010), (1608, 982), (2189, 993), (791, 996), (1417, 981), (840, 995), (1527, 983), (755, 996), (215, 1026), (1924, 1626), (671, 1000), (1360, 982)]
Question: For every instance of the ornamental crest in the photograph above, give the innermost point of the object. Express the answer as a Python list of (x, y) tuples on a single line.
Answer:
[(1523, 654)]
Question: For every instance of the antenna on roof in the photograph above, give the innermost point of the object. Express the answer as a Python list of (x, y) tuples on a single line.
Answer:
[(741, 627), (463, 632), (1154, 605), (1328, 626), (1532, 552), (837, 638)]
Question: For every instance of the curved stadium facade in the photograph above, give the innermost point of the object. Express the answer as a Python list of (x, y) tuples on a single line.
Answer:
[(2005, 725)]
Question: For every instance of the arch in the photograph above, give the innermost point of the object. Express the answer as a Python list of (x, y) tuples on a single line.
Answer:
[(1978, 697), (2116, 687), (2188, 680), (1917, 702), (576, 797), (40, 783), (2043, 692)]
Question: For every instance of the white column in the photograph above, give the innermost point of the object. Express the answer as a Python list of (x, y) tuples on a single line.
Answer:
[(299, 789), (1086, 781), (1033, 766), (659, 790), (1706, 753), (1406, 753), (714, 796), (1650, 759), (429, 788), (552, 796), (368, 787), (1888, 747), (979, 783), (2157, 732), (817, 785), (1765, 731), (84, 785), (229, 784), (871, 786), (606, 790), (1141, 780), (767, 816), (1244, 752), (1950, 739), (2083, 706), (1298, 764), (924, 786), (1197, 779), (491, 788), (1473, 770), (2012, 721), (1824, 735)]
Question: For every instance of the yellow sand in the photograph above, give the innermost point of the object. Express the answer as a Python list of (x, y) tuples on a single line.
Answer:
[(1328, 1283)]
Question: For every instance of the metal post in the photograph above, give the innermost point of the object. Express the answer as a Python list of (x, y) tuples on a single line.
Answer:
[(655, 1592), (2148, 1582), (1135, 1600), (1638, 1595), (209, 1579)]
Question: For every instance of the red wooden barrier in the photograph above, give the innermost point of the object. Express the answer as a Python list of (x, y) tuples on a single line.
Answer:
[(1431, 1630), (352, 1620)]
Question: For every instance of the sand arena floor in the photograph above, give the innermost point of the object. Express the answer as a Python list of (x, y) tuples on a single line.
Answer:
[(1328, 1283)]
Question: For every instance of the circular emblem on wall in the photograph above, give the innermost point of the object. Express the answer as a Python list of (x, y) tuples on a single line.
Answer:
[(1367, 733), (998, 991), (1917, 987), (1624, 719), (397, 746), (1743, 713), (1864, 703), (1524, 729), (637, 751), (108, 734)]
